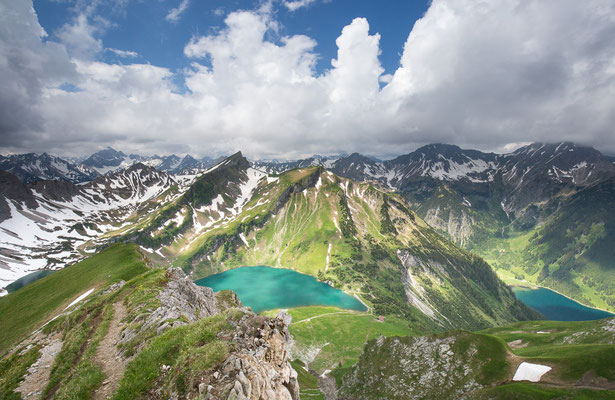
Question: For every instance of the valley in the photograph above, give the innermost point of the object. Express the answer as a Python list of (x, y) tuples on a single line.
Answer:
[(373, 266)]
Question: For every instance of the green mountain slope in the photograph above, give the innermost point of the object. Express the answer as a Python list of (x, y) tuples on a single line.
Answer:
[(354, 235), (571, 252), (29, 307)]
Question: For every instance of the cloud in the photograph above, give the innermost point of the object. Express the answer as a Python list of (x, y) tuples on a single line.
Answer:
[(174, 13), (297, 4), (78, 37), (28, 65), (479, 74), (123, 53)]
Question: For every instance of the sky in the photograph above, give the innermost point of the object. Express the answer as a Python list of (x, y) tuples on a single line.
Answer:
[(292, 78)]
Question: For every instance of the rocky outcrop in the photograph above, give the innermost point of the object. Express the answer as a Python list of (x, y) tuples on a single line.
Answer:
[(12, 189), (181, 302), (437, 367), (56, 190), (258, 369), (304, 183)]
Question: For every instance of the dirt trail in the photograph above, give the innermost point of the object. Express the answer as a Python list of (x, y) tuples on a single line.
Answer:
[(106, 355), (38, 374)]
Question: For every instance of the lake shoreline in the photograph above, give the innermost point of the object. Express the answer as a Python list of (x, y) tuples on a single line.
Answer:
[(297, 271), (556, 307), (526, 284), (533, 286), (263, 288)]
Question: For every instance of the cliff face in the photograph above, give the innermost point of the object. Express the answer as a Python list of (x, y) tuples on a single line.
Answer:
[(259, 368)]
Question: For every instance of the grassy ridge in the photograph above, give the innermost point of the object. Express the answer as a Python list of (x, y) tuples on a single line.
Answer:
[(573, 348), (28, 308), (441, 366), (190, 350), (524, 391)]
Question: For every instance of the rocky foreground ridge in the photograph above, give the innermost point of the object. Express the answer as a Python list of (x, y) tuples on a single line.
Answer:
[(157, 336)]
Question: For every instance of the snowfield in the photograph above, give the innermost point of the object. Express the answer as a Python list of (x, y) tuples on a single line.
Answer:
[(530, 372), (50, 235)]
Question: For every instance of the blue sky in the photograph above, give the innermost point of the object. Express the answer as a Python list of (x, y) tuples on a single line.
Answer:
[(143, 27), (291, 78)]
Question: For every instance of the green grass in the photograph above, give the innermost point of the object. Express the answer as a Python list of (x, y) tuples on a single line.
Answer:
[(573, 361), (73, 374), (523, 391), (308, 383), (560, 332), (190, 350), (28, 308), (345, 332), (87, 375), (12, 370), (571, 348)]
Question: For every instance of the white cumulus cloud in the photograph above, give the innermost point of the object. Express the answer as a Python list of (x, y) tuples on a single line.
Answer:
[(480, 74)]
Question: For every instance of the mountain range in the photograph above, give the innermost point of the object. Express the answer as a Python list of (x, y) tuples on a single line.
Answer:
[(504, 207), (31, 167), (403, 236)]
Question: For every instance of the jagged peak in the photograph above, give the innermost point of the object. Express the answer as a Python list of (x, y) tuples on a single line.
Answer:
[(235, 160)]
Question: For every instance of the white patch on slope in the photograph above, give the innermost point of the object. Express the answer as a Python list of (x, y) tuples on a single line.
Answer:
[(530, 372), (254, 176), (243, 238), (78, 299), (328, 257), (214, 206), (414, 293), (336, 225)]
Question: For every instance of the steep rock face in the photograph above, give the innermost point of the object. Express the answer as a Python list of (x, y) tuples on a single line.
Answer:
[(11, 189), (469, 282), (260, 368), (56, 190), (436, 367)]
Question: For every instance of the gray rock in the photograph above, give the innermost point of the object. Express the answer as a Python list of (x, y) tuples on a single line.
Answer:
[(181, 302)]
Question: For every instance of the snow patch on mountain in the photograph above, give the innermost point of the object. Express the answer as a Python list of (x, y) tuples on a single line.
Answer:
[(254, 176)]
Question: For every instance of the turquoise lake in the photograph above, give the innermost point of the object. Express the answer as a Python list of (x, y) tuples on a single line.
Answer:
[(556, 307), (265, 288), (26, 280)]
